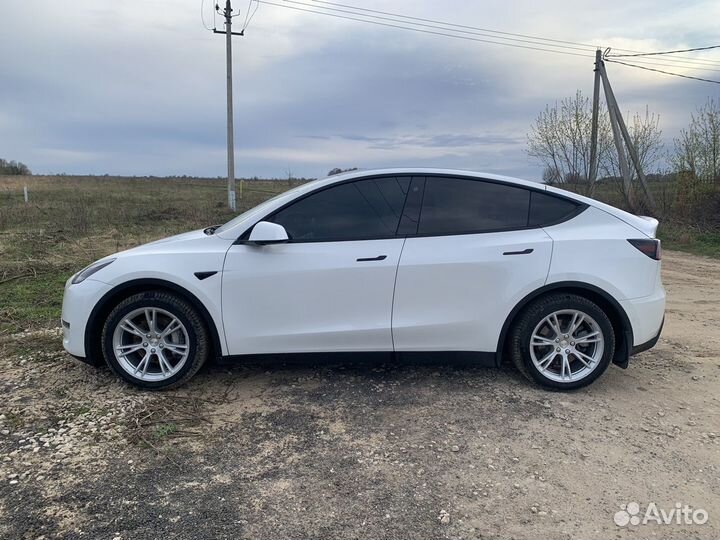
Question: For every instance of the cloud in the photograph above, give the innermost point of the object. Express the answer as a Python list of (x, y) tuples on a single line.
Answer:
[(139, 87)]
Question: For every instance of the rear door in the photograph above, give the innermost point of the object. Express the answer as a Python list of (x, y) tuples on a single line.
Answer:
[(473, 257)]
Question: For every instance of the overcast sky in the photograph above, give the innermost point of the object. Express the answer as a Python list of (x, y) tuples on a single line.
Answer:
[(138, 87)]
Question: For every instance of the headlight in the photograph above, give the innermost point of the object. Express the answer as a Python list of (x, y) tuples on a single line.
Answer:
[(85, 273)]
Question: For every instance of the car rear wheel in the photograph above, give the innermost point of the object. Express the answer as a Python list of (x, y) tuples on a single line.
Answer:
[(155, 340), (563, 341)]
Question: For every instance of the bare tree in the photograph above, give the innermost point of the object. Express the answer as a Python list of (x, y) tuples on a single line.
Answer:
[(646, 137), (560, 140), (697, 150)]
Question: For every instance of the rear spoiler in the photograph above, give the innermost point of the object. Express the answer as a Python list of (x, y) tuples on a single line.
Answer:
[(645, 224)]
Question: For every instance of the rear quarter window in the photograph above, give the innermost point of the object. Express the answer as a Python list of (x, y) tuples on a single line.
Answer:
[(549, 209)]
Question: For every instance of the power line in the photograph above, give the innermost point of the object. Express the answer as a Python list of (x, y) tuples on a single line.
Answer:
[(248, 11), (424, 29), (422, 25), (202, 15), (478, 31), (462, 26), (488, 30), (666, 52), (468, 38), (444, 26), (661, 71), (683, 66), (681, 59), (442, 31), (689, 59), (249, 16)]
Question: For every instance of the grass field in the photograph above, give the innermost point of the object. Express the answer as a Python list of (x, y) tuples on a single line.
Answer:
[(72, 221)]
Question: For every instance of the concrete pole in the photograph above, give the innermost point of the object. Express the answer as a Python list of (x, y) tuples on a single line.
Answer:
[(617, 136), (592, 176), (230, 129), (631, 150)]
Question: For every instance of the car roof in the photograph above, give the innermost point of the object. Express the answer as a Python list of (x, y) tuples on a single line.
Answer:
[(360, 173)]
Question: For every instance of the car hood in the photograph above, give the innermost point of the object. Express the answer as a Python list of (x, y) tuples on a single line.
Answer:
[(171, 243)]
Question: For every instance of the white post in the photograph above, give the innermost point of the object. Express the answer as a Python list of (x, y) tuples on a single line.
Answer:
[(25, 194), (230, 131)]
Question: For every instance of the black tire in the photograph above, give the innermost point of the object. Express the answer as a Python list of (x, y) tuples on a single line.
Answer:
[(198, 341), (533, 314)]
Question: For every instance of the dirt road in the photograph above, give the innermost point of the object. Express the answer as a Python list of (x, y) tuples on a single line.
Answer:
[(379, 451)]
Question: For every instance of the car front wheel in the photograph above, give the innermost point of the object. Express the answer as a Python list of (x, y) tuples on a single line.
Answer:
[(155, 340), (563, 341)]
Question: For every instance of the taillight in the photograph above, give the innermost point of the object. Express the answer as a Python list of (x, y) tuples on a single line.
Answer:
[(649, 246)]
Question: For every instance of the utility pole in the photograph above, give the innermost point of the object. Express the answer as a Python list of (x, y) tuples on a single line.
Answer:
[(620, 131), (592, 176), (630, 146), (227, 13), (230, 127), (617, 136)]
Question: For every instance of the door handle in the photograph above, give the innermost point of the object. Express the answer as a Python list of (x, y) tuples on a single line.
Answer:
[(523, 252), (369, 259)]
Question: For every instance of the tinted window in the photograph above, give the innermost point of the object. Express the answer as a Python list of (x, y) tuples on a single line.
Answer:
[(411, 210), (455, 205), (355, 210), (546, 209)]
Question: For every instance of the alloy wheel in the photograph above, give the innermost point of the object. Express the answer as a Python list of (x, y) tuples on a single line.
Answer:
[(567, 345), (151, 344)]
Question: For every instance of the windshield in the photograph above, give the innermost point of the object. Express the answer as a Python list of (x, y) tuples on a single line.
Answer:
[(259, 208)]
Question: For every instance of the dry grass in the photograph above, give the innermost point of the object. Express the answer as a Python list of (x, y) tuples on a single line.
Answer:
[(72, 221)]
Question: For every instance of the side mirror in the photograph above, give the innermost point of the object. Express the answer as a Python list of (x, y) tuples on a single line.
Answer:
[(265, 232)]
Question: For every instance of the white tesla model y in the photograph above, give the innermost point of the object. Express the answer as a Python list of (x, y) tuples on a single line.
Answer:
[(396, 260)]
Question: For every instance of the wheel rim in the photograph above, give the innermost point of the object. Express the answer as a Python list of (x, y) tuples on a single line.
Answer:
[(151, 344), (567, 345)]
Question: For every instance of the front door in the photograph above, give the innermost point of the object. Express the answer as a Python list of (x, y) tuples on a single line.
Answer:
[(330, 287)]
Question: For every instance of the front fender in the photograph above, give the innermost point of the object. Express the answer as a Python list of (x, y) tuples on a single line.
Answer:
[(209, 310)]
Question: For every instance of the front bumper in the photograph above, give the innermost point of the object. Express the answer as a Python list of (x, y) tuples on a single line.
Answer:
[(78, 302)]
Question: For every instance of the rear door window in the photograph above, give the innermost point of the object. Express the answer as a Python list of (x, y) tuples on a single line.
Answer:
[(462, 205)]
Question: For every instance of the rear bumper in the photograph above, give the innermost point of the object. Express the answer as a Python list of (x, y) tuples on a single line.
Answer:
[(646, 316), (648, 344)]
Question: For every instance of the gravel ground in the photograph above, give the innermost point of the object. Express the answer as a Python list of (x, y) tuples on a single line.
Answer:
[(367, 450)]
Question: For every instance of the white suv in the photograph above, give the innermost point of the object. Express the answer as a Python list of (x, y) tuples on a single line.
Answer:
[(392, 261)]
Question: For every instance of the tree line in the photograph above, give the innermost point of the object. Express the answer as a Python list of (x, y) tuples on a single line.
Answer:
[(13, 167)]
